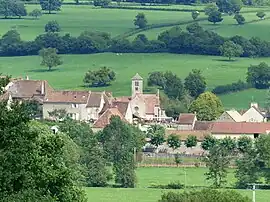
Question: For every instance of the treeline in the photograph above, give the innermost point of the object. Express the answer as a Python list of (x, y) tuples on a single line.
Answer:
[(195, 40), (233, 87)]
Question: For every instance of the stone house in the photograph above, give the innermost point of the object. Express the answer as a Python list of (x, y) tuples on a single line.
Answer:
[(231, 116), (186, 121)]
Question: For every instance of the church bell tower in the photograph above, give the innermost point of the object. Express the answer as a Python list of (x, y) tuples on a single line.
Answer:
[(137, 85)]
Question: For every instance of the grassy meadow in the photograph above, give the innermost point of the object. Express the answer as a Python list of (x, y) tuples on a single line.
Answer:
[(148, 176), (70, 75)]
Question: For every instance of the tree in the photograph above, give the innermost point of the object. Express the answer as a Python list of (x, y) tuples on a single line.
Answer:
[(214, 17), (58, 114), (195, 83), (4, 81), (195, 14), (191, 141), (229, 6), (207, 106), (102, 2), (259, 75), (209, 142), (9, 8), (140, 20), (217, 161), (244, 144), (173, 86), (35, 164), (35, 13), (260, 14), (50, 58), (204, 195), (177, 159), (119, 140), (51, 5), (230, 49), (156, 79), (239, 19), (52, 26), (157, 135), (210, 8), (229, 144), (101, 77), (173, 141)]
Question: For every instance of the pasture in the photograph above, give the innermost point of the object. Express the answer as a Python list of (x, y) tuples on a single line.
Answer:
[(148, 176), (70, 75)]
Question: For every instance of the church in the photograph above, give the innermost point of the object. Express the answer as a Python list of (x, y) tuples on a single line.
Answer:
[(143, 106)]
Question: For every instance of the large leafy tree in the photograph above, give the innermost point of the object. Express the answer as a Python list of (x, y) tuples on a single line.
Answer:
[(173, 86), (51, 5), (157, 135), (195, 83), (214, 17), (259, 75), (174, 141), (35, 160), (50, 58), (210, 8), (207, 106), (229, 6), (209, 142), (120, 141), (191, 141), (52, 26), (35, 13), (140, 20), (156, 79), (230, 49), (102, 77), (10, 8)]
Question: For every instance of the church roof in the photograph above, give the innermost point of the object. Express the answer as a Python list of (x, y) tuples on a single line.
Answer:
[(137, 77)]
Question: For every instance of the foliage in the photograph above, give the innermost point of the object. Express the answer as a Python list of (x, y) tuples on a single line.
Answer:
[(157, 135), (52, 26), (239, 19), (195, 83), (204, 195), (260, 14), (259, 75), (195, 14), (228, 144), (209, 142), (10, 8), (214, 17), (102, 2), (51, 5), (233, 87), (173, 141), (229, 6), (171, 185), (210, 8), (34, 109), (207, 106), (50, 58), (191, 141), (57, 114), (156, 79), (173, 86), (32, 158), (4, 81), (174, 107), (244, 144), (177, 159), (217, 161), (101, 77), (266, 104), (230, 49), (140, 20), (119, 140), (35, 13)]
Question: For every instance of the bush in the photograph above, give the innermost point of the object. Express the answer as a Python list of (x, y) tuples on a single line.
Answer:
[(171, 185), (234, 87), (52, 26)]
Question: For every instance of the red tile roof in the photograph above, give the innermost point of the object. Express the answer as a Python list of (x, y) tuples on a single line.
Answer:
[(186, 118), (121, 106), (79, 97), (203, 125), (151, 101), (104, 119), (94, 99), (183, 134), (239, 128)]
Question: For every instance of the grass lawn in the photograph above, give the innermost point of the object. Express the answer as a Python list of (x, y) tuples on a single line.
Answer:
[(147, 176), (70, 74), (76, 19)]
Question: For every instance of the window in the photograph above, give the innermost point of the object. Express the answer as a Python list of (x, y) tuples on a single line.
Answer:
[(136, 88), (75, 106), (136, 109), (136, 83)]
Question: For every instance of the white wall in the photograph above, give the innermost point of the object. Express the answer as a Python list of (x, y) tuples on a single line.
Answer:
[(252, 115)]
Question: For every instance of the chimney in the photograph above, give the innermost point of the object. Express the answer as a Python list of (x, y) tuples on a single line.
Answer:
[(42, 87), (27, 77)]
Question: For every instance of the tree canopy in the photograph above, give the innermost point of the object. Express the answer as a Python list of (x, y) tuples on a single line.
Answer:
[(140, 20), (207, 106), (10, 8), (157, 135), (215, 16), (229, 6), (51, 5), (50, 58), (52, 26), (195, 83), (230, 49), (259, 75)]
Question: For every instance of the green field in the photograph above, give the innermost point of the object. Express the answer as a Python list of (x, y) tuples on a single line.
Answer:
[(70, 74), (148, 176)]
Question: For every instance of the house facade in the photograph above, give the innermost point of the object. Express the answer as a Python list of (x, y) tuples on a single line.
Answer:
[(253, 114), (186, 121), (231, 116)]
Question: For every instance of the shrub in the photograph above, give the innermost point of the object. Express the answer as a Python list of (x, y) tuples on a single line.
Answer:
[(233, 87), (52, 26), (171, 185)]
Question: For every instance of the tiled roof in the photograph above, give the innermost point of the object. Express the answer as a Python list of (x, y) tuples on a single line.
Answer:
[(150, 100), (104, 119), (186, 118), (28, 88), (123, 99), (137, 77), (203, 125), (239, 128), (121, 106), (183, 134), (67, 97), (94, 99)]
